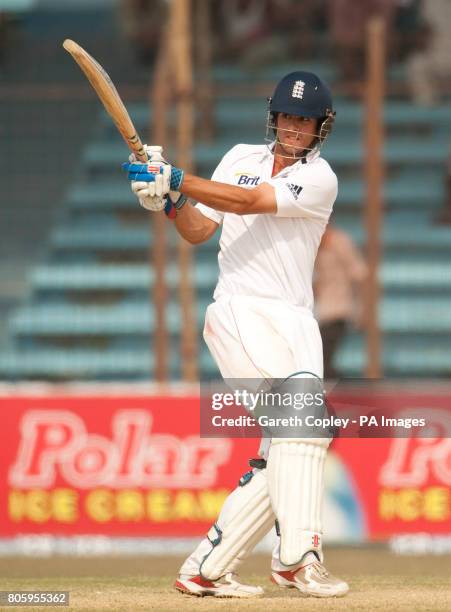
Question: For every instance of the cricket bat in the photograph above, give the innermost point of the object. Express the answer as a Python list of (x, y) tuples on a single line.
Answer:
[(109, 97)]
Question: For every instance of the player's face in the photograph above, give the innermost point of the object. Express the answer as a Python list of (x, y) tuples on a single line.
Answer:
[(295, 133)]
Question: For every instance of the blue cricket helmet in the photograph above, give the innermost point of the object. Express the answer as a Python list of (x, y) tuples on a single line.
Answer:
[(303, 94)]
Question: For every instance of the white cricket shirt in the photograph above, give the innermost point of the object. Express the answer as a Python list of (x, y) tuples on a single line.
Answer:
[(272, 255)]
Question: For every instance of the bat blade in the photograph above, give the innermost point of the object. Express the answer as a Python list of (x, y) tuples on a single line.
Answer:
[(107, 92)]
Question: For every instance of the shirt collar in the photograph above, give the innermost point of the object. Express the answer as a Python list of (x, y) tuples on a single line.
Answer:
[(269, 156)]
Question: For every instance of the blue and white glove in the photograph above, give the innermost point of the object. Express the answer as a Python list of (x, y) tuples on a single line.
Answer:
[(152, 181), (148, 198)]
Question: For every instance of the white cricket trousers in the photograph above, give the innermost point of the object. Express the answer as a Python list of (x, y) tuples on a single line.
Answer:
[(251, 337), (259, 338)]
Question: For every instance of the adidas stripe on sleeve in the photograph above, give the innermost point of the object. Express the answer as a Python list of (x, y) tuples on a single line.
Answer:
[(306, 193)]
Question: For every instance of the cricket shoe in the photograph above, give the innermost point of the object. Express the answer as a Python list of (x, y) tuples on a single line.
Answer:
[(311, 580), (226, 586)]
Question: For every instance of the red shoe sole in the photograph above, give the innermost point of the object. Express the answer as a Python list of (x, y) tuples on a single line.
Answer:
[(182, 589)]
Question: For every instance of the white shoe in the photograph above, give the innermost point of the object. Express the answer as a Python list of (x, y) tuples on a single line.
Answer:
[(311, 580), (226, 586)]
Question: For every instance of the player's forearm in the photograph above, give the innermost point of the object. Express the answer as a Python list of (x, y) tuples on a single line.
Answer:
[(222, 197), (192, 225)]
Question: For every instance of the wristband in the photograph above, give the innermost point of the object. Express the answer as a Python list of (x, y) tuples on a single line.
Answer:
[(181, 201), (171, 208)]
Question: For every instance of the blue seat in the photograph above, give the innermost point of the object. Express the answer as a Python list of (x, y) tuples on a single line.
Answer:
[(401, 356), (99, 239), (73, 364), (69, 320), (103, 195), (132, 277), (425, 276), (92, 277), (123, 319), (397, 194), (421, 315)]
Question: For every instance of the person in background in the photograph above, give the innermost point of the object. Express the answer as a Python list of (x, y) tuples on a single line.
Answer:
[(141, 24), (445, 216), (338, 278), (410, 30), (300, 25), (428, 68), (3, 35), (347, 23), (248, 34)]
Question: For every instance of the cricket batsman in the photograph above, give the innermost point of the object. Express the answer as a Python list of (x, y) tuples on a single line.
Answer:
[(260, 325)]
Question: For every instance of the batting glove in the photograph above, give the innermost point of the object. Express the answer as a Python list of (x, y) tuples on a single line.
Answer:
[(146, 194), (154, 153), (151, 181), (140, 189), (169, 178), (174, 201)]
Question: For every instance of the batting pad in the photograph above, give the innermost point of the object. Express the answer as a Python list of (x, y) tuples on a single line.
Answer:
[(245, 519), (295, 483)]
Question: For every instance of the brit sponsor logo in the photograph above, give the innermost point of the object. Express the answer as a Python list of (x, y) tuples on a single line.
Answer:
[(245, 178), (295, 190)]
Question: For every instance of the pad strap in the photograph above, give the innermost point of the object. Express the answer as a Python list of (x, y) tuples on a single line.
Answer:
[(245, 519)]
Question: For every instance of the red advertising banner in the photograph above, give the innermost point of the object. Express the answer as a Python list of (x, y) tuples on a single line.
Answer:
[(125, 465), (113, 465), (403, 483)]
